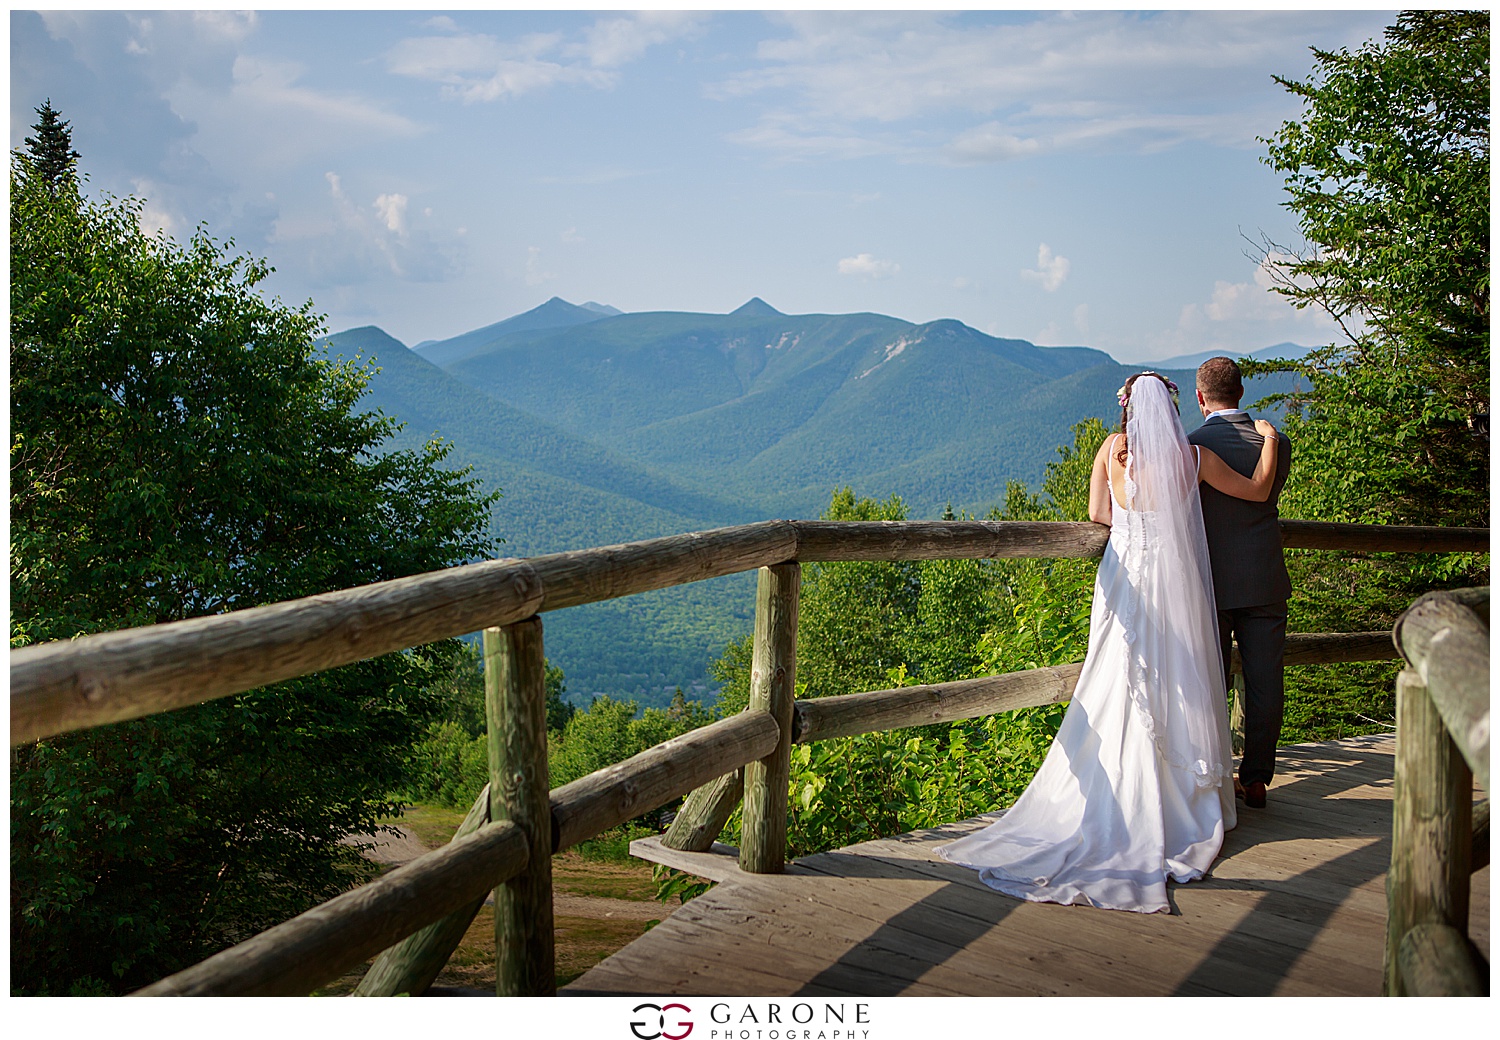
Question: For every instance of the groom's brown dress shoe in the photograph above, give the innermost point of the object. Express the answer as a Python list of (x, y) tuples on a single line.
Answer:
[(1255, 795)]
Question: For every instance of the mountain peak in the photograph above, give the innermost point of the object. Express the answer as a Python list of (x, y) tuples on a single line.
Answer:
[(601, 308), (755, 307)]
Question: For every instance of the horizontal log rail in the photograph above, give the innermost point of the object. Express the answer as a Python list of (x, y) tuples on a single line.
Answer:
[(1446, 641), (297, 956), (845, 715), (77, 684), (610, 796)]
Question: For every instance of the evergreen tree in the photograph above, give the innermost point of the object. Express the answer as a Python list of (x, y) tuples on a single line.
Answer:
[(1387, 172), (53, 160)]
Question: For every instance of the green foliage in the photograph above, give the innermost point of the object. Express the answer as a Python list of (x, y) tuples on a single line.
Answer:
[(178, 450), (449, 764), (930, 622), (1387, 171), (612, 731), (673, 882)]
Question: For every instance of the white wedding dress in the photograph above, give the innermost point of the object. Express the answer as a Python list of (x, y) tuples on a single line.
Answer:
[(1136, 787)]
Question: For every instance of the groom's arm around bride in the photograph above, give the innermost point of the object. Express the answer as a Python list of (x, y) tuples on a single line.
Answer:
[(1251, 586)]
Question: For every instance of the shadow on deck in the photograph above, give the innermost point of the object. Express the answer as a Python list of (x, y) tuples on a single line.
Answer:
[(1294, 906)]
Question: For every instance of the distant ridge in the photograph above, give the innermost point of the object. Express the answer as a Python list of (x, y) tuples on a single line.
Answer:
[(755, 307), (556, 313), (1280, 350)]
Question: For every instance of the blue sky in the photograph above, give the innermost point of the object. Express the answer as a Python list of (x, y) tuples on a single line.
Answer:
[(1068, 178)]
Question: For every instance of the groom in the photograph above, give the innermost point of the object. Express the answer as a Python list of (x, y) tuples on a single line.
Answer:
[(1251, 586)]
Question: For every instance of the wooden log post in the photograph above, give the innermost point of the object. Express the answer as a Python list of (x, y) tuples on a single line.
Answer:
[(1432, 830), (515, 702), (410, 966), (1237, 713), (773, 677), (705, 813)]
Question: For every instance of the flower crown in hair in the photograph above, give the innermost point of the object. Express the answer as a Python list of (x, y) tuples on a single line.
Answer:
[(1122, 396)]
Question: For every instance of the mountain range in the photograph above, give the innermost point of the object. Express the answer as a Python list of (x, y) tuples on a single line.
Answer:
[(601, 427)]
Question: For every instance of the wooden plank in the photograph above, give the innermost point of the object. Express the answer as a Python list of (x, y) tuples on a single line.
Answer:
[(1302, 910), (719, 862), (610, 796), (773, 680), (515, 703), (297, 956), (1299, 904)]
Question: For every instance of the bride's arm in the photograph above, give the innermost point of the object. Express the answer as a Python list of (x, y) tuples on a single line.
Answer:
[(1101, 507), (1255, 488)]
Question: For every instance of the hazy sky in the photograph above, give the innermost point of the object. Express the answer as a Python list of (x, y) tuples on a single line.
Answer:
[(1086, 178)]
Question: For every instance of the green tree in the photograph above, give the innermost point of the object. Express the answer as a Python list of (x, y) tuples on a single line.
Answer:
[(1387, 171), (180, 448), (51, 150)]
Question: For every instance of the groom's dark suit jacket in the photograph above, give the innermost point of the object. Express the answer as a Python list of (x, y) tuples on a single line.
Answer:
[(1244, 540)]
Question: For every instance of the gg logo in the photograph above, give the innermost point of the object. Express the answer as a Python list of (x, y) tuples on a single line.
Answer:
[(639, 1027)]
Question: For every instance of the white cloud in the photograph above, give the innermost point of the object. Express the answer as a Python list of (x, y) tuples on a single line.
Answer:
[(1051, 271), (442, 23), (392, 210), (571, 235), (481, 67), (990, 143), (536, 274), (971, 88), (1081, 319), (1051, 336), (337, 242), (866, 265), (610, 43), (230, 26)]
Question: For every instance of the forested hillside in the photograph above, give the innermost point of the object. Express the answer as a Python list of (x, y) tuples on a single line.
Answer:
[(599, 429)]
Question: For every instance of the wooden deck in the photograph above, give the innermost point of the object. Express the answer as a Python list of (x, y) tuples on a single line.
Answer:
[(1294, 906)]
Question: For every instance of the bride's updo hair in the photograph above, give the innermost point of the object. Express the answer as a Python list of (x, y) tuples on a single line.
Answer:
[(1123, 394)]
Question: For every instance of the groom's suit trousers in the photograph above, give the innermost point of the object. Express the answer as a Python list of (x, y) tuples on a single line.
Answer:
[(1261, 633)]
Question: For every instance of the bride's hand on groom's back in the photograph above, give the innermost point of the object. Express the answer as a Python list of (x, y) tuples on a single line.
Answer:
[(1264, 428)]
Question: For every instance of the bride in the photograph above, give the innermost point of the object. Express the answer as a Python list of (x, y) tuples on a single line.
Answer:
[(1136, 787)]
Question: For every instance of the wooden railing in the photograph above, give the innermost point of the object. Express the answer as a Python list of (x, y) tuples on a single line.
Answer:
[(1442, 745), (417, 913)]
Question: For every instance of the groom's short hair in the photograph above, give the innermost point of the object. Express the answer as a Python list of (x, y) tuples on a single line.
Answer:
[(1219, 379)]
